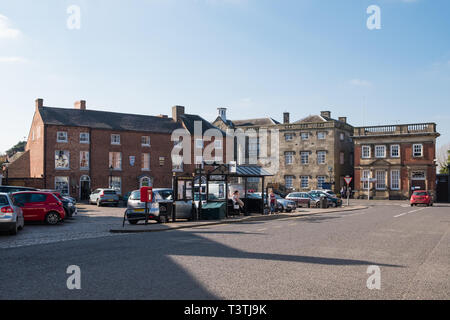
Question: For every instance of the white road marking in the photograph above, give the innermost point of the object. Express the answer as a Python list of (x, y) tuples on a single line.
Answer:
[(402, 214), (263, 229)]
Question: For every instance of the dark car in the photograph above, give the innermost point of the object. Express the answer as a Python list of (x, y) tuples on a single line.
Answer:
[(332, 200), (12, 189), (68, 205)]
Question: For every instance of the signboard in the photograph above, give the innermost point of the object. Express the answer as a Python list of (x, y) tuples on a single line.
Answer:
[(146, 194), (369, 179), (217, 177), (233, 166), (348, 180), (132, 160)]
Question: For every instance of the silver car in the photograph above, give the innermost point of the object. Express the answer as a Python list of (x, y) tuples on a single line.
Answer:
[(160, 209), (104, 196), (11, 215)]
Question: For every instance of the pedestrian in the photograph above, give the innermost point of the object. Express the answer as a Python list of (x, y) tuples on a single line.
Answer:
[(237, 203), (273, 201)]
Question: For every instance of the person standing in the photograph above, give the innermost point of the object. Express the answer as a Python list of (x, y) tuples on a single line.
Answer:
[(237, 203), (273, 201)]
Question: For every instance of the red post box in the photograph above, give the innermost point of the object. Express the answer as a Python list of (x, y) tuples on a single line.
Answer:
[(146, 194)]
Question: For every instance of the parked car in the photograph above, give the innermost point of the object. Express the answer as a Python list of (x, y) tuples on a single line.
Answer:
[(327, 191), (333, 201), (104, 196), (160, 209), (40, 206), (11, 215), (300, 198), (421, 197), (282, 204), (11, 189), (69, 208)]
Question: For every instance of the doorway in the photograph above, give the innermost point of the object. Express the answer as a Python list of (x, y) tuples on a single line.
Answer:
[(85, 187)]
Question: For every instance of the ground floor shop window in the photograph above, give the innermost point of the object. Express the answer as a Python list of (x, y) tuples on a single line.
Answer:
[(62, 185), (116, 184)]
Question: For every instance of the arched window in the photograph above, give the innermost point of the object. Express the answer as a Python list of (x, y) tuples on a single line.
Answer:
[(146, 182)]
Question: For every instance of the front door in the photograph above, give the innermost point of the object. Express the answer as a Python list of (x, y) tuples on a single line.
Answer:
[(85, 189)]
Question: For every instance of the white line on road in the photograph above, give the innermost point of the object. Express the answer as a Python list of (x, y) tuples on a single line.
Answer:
[(263, 229), (402, 214)]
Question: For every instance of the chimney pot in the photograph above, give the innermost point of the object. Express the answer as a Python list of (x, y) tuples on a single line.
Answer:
[(286, 118), (223, 113), (81, 105), (177, 111), (343, 119)]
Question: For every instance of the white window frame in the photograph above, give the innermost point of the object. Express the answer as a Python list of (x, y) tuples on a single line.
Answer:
[(304, 157), (302, 180), (59, 189), (88, 164), (395, 183), (380, 184), (366, 175), (141, 180), (398, 151), (363, 149), (145, 165), (319, 157), (289, 137), (414, 150), (85, 134), (377, 149), (145, 141), (319, 182), (111, 160), (66, 153), (116, 184), (289, 158), (321, 135), (114, 139), (64, 140), (289, 179), (305, 135)]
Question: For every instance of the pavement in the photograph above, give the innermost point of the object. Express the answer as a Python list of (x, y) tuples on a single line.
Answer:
[(325, 255)]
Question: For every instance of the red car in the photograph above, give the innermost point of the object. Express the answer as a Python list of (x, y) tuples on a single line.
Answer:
[(40, 206), (421, 197)]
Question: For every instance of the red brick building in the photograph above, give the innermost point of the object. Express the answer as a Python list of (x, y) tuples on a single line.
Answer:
[(400, 157), (77, 150)]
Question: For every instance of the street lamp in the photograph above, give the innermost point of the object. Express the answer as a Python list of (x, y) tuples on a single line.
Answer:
[(110, 175)]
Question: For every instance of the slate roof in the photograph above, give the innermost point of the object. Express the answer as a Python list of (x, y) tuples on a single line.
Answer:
[(255, 122), (313, 118), (118, 121)]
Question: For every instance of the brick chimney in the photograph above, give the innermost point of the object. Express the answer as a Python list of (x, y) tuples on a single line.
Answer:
[(39, 103), (177, 111), (81, 105), (325, 114), (343, 119), (223, 113), (286, 117)]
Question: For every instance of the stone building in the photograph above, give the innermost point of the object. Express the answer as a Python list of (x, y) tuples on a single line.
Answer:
[(400, 157), (312, 152), (75, 150)]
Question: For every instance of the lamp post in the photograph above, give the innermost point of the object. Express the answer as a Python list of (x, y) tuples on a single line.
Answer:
[(110, 175)]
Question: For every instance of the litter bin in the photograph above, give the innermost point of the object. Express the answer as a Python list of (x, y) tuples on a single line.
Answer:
[(323, 202), (213, 211)]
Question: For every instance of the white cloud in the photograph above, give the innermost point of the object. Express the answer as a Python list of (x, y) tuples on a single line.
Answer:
[(360, 83), (6, 31), (12, 60)]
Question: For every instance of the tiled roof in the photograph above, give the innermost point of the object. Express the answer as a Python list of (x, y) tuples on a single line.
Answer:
[(313, 118), (255, 122)]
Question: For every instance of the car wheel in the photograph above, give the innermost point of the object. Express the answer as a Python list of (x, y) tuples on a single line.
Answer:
[(318, 205), (98, 203), (52, 218), (133, 221), (309, 205), (14, 230), (431, 204), (162, 219)]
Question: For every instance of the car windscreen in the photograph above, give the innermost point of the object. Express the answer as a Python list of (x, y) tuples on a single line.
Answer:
[(135, 195), (109, 192), (423, 193), (4, 201), (164, 195)]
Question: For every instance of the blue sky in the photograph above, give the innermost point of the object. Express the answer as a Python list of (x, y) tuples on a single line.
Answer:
[(256, 57)]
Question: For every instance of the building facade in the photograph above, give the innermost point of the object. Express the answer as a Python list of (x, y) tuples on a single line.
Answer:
[(77, 150), (314, 152), (400, 159)]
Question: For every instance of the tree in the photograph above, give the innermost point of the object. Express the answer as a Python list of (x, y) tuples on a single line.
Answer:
[(19, 147), (444, 165)]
